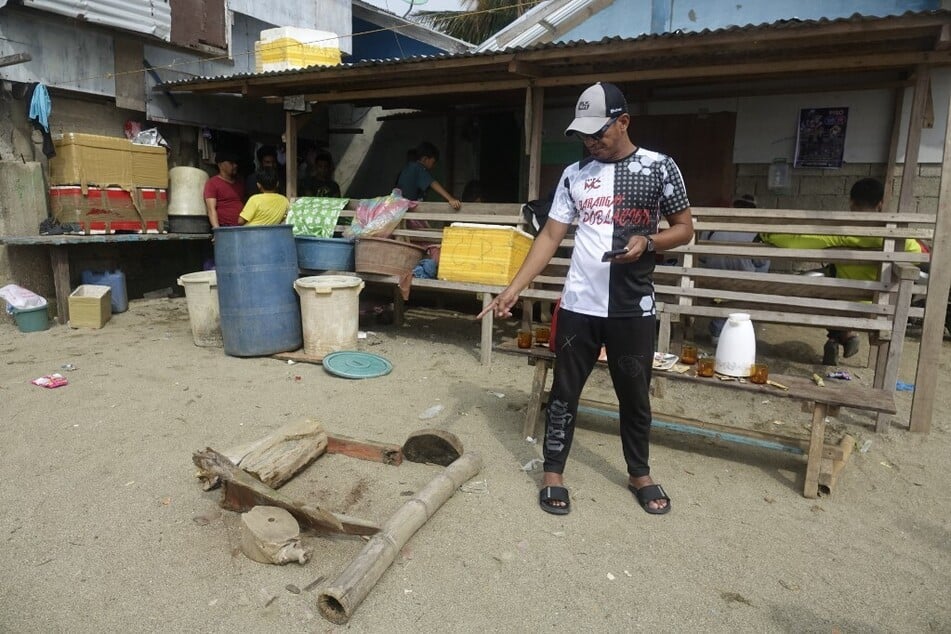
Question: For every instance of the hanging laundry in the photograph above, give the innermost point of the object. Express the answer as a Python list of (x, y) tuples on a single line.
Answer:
[(39, 114)]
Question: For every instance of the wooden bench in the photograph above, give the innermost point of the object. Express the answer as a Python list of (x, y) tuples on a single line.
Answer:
[(880, 307), (440, 215), (824, 460), (60, 246), (687, 289)]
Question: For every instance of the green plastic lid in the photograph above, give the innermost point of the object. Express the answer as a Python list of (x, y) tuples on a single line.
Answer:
[(356, 365)]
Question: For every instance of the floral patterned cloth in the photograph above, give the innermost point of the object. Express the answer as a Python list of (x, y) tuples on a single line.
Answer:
[(315, 217)]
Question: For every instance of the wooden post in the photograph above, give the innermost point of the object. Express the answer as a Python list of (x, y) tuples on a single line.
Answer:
[(535, 109), (343, 596), (535, 398), (932, 335), (59, 259), (485, 349), (290, 153), (814, 456)]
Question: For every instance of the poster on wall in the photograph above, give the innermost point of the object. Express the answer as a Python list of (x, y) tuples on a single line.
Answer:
[(820, 140)]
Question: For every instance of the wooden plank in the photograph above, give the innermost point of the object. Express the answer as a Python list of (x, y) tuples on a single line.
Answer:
[(15, 58), (535, 144), (814, 459), (781, 300), (829, 230), (777, 317), (832, 468), (388, 454), (298, 356), (242, 491), (59, 260), (485, 347), (932, 335), (833, 217), (535, 398), (816, 255), (99, 238), (800, 387), (681, 424)]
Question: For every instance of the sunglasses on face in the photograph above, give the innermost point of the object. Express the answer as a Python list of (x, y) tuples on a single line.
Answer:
[(597, 136)]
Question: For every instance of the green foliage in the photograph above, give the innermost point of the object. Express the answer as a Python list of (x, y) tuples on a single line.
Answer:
[(479, 20)]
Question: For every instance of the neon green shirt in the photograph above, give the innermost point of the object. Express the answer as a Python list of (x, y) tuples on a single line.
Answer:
[(844, 270), (265, 209)]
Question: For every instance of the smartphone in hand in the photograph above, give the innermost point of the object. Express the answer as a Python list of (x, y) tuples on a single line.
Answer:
[(610, 255)]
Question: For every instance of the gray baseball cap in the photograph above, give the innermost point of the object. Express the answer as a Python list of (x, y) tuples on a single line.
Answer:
[(596, 106)]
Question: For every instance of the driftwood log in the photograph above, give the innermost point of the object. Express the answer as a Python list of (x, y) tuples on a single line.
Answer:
[(277, 457), (433, 446), (270, 535), (341, 598), (365, 449), (243, 492)]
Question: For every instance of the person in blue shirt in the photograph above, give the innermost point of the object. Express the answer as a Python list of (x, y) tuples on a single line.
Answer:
[(416, 177)]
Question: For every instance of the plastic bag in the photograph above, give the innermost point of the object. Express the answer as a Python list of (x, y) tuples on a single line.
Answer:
[(20, 298), (150, 137), (378, 217)]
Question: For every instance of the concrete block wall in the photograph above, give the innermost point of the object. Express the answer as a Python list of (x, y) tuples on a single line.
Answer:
[(22, 209), (829, 189)]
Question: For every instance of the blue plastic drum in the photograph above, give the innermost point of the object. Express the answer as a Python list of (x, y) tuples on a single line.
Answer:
[(260, 310), (116, 281)]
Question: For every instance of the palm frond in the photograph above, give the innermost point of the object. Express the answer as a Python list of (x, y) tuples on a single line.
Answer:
[(480, 20)]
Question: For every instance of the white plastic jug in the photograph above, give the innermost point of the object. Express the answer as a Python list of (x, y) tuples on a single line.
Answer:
[(736, 351)]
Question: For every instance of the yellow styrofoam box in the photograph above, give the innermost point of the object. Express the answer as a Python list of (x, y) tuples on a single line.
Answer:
[(90, 306), (286, 48), (485, 254)]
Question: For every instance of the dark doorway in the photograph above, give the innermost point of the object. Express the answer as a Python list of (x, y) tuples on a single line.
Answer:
[(499, 141), (701, 145)]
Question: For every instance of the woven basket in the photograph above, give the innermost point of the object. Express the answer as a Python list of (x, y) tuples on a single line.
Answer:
[(389, 257)]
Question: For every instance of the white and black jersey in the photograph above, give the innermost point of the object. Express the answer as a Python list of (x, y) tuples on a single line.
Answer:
[(613, 202)]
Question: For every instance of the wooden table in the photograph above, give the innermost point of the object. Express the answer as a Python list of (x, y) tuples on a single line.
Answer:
[(822, 458), (59, 246)]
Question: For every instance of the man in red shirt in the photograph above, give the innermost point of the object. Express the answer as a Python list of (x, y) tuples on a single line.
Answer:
[(224, 194)]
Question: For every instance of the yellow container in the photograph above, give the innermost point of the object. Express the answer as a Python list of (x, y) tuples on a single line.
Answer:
[(90, 306), (285, 48), (484, 254)]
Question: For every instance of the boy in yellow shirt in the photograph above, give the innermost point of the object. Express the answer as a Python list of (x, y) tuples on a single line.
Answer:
[(267, 207)]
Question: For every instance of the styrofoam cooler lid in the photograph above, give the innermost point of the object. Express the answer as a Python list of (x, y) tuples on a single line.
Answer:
[(199, 277), (327, 283)]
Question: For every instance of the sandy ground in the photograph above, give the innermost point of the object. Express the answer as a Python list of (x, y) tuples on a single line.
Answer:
[(104, 527)]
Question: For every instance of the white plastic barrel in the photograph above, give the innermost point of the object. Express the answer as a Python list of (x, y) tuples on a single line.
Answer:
[(186, 185), (330, 312), (201, 294)]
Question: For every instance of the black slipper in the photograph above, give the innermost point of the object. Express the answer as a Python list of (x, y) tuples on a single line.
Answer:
[(651, 493), (554, 493)]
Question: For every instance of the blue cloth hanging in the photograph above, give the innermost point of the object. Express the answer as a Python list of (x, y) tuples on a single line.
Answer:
[(40, 107)]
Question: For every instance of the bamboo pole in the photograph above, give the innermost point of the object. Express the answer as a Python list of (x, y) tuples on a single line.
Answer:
[(343, 596)]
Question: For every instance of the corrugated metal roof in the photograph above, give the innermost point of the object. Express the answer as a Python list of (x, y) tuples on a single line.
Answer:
[(151, 17), (749, 32)]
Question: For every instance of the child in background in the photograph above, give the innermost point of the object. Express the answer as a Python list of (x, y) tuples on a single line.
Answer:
[(268, 207)]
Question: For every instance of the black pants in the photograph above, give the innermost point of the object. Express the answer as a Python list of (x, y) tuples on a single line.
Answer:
[(630, 346)]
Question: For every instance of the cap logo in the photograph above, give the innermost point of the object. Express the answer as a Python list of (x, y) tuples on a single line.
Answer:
[(583, 105)]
